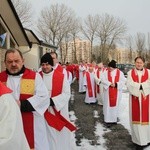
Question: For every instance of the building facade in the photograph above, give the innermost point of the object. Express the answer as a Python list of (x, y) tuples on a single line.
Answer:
[(79, 50), (123, 55)]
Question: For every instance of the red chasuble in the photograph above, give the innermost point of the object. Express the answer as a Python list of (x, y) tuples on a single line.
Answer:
[(26, 91), (140, 115), (112, 90)]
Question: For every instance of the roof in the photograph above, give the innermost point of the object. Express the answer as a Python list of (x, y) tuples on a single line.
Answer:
[(48, 45), (31, 36), (11, 20), (35, 40)]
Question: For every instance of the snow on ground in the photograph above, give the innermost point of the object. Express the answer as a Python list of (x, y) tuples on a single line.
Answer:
[(85, 143), (100, 130)]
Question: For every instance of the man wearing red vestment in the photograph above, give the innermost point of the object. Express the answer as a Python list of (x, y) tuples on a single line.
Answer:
[(113, 81), (31, 95), (59, 93), (138, 83)]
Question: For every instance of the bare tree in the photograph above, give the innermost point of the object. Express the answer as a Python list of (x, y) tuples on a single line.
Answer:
[(140, 43), (70, 35), (64, 47), (89, 28), (75, 29), (110, 31), (54, 22), (129, 44), (148, 47), (24, 11)]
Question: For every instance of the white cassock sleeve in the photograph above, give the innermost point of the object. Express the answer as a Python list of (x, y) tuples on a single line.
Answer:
[(63, 98), (146, 85), (121, 82), (11, 128), (133, 87), (96, 79), (40, 101), (104, 80), (84, 80)]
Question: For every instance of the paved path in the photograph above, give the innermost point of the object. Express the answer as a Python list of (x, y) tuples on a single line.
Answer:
[(117, 139)]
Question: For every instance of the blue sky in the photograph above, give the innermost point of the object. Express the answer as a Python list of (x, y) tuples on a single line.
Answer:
[(136, 13)]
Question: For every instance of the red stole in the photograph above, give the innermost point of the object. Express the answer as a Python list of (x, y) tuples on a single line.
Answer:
[(4, 89), (59, 68), (89, 85), (112, 90), (140, 115), (27, 117), (57, 121)]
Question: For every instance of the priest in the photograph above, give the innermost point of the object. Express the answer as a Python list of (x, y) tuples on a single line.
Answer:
[(138, 83), (57, 116), (89, 83), (113, 81)]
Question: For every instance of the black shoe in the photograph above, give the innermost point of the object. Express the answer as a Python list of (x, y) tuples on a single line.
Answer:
[(139, 147), (93, 103), (83, 92), (108, 125)]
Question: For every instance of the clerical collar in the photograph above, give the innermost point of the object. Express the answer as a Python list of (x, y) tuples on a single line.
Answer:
[(139, 69), (18, 73)]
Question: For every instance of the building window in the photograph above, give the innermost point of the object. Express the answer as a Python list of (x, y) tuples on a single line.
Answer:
[(2, 31)]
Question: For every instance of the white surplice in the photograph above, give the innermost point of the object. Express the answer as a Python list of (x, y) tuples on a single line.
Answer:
[(99, 96), (111, 113), (59, 140), (12, 135), (140, 133), (82, 69), (88, 99), (40, 102)]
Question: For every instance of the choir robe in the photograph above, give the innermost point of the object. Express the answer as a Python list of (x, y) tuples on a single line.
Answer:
[(12, 135), (90, 90), (40, 102), (59, 140), (82, 70), (111, 113), (99, 87), (69, 77), (140, 132)]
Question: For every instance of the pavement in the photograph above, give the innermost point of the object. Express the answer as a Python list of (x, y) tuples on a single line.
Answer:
[(118, 138)]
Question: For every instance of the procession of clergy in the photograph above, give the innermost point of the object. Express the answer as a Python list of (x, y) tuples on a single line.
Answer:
[(43, 98), (104, 86)]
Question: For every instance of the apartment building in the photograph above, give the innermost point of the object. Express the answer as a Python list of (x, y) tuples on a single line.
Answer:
[(79, 50), (123, 55)]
